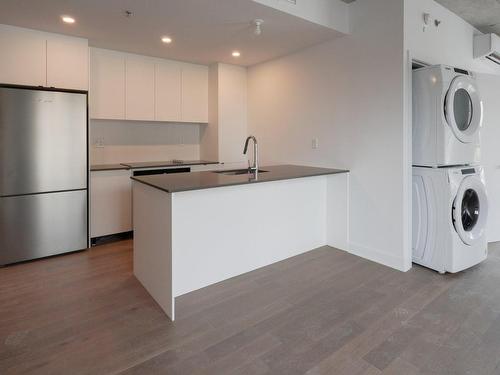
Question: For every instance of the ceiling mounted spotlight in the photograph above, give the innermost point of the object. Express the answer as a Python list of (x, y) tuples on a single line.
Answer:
[(67, 19), (258, 26)]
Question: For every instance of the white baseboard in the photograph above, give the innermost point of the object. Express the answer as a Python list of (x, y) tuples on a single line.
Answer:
[(378, 256)]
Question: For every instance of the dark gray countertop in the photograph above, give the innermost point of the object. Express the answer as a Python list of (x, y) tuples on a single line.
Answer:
[(107, 167), (168, 163), (173, 183), (149, 164)]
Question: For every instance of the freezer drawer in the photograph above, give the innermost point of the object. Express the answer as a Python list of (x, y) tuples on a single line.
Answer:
[(35, 226), (43, 141)]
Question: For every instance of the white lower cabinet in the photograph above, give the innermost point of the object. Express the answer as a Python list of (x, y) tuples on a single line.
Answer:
[(110, 202), (111, 199)]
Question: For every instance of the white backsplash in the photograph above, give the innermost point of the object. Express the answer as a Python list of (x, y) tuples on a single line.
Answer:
[(135, 141)]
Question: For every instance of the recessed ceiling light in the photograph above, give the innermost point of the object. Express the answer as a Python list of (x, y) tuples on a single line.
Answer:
[(166, 39), (236, 54), (68, 19)]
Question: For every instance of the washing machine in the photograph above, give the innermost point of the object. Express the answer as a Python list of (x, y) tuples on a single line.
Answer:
[(450, 211), (447, 117)]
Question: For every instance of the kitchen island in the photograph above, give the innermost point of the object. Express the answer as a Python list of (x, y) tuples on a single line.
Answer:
[(195, 229)]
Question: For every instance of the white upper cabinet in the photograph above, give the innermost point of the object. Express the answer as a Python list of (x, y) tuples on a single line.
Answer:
[(139, 88), (168, 91), (35, 58), (67, 63), (126, 86), (107, 84), (23, 56), (194, 93)]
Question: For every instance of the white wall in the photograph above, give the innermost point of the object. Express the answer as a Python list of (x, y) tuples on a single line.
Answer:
[(129, 141), (489, 86), (349, 94), (451, 43)]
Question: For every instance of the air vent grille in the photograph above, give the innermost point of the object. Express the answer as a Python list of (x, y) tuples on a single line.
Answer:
[(487, 45), (495, 57)]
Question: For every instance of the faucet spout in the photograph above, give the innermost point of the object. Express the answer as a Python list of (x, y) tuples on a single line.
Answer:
[(255, 165)]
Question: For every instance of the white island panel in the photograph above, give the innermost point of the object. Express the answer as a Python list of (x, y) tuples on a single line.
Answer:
[(187, 240), (224, 232), (152, 244)]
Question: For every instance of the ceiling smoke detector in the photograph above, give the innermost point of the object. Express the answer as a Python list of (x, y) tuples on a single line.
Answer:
[(258, 26)]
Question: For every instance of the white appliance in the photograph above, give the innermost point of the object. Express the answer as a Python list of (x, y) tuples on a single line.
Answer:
[(487, 45), (450, 210), (447, 117)]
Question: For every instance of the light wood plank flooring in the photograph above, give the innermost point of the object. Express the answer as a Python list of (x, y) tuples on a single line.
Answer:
[(323, 312)]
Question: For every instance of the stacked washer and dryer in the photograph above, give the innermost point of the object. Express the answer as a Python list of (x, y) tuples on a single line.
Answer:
[(450, 206)]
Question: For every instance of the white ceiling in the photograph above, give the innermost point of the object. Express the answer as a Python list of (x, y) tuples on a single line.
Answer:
[(204, 31)]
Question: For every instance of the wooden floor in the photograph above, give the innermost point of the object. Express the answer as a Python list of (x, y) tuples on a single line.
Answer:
[(324, 312)]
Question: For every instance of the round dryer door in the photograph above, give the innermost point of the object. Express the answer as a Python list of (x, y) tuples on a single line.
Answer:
[(464, 108), (470, 210)]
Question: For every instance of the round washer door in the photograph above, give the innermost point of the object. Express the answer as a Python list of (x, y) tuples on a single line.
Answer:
[(470, 210), (464, 108)]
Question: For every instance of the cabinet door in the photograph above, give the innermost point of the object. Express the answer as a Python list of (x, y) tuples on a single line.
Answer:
[(107, 84), (23, 57), (67, 63), (110, 202), (139, 88), (168, 91), (194, 93)]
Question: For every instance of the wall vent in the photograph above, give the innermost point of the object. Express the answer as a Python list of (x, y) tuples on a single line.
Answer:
[(487, 45)]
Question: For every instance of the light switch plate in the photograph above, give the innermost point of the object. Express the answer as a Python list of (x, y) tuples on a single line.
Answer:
[(315, 143), (99, 142)]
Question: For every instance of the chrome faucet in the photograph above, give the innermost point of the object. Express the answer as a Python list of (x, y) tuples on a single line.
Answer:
[(255, 166)]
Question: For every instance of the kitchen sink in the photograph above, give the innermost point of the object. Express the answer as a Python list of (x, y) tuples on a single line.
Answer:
[(234, 172)]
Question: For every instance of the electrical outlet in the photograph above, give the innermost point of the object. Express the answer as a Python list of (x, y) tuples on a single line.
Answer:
[(99, 142), (315, 143)]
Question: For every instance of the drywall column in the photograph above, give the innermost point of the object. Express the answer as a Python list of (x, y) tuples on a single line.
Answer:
[(225, 134)]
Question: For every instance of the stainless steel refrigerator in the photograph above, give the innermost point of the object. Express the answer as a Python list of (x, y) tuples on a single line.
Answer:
[(43, 173)]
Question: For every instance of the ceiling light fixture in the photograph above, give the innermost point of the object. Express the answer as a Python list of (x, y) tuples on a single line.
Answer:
[(258, 26), (166, 39), (68, 19), (236, 54)]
